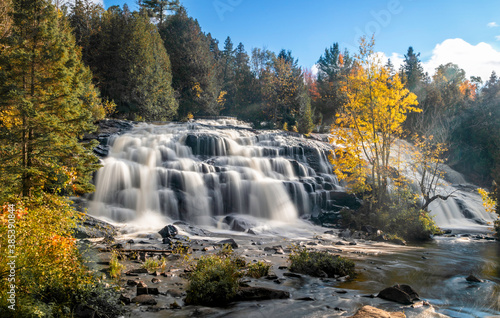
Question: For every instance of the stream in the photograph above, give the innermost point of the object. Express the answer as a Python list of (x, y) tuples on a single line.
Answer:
[(225, 177)]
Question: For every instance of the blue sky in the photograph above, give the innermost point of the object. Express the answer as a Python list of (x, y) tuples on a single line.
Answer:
[(464, 32)]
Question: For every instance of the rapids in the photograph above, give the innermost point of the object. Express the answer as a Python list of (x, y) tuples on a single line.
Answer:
[(208, 172), (200, 171)]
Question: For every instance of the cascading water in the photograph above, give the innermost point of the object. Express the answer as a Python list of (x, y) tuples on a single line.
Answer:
[(463, 210), (200, 171)]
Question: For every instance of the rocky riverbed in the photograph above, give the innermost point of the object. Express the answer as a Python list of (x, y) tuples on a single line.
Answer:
[(161, 292)]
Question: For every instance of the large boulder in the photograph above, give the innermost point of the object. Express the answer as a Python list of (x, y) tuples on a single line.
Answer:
[(402, 294), (144, 300), (90, 227), (168, 231), (372, 312)]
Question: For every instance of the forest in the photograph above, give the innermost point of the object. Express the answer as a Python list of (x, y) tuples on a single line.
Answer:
[(64, 67)]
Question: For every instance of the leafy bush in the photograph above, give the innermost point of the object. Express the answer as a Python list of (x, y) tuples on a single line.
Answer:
[(401, 217), (50, 276), (318, 263), (215, 279), (115, 268), (151, 264), (257, 270)]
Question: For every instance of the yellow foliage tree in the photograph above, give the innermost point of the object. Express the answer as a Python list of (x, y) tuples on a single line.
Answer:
[(370, 123)]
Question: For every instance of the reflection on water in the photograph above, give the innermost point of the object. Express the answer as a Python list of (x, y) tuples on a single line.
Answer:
[(437, 271)]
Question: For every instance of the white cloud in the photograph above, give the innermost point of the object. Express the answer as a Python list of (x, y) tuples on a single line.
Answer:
[(475, 60), (314, 69), (396, 59), (497, 37), (492, 24)]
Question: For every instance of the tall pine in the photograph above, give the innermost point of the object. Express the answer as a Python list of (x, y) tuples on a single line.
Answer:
[(47, 101), (194, 70)]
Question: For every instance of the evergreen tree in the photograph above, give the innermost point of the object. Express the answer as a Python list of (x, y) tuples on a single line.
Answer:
[(149, 87), (129, 61), (194, 71), (245, 85), (283, 87), (414, 75), (228, 75), (159, 8), (333, 68), (306, 124), (47, 101)]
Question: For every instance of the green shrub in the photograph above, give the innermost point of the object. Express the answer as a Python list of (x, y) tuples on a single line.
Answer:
[(215, 279), (115, 268), (257, 270), (318, 263), (51, 278), (151, 264), (401, 217)]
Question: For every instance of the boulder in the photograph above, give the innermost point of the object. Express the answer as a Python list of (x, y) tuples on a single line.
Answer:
[(124, 299), (228, 241), (260, 293), (238, 224), (402, 294), (144, 300), (168, 231), (90, 227), (473, 279), (372, 312)]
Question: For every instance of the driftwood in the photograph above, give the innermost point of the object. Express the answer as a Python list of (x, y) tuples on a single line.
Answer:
[(138, 250)]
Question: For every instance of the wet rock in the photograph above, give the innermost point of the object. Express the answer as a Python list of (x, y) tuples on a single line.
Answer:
[(294, 275), (155, 281), (147, 291), (306, 298), (275, 249), (260, 293), (345, 233), (331, 232), (141, 284), (372, 312), (175, 305), (231, 242), (237, 223), (176, 293), (144, 300), (168, 231), (137, 271), (402, 294), (473, 279), (131, 282), (340, 243), (90, 227), (124, 299)]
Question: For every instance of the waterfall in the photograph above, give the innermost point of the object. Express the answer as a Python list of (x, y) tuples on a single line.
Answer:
[(201, 171)]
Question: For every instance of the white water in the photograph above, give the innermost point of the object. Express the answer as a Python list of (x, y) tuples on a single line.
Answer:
[(197, 171), (201, 171)]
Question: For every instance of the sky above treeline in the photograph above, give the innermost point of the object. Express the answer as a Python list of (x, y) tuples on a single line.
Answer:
[(466, 33)]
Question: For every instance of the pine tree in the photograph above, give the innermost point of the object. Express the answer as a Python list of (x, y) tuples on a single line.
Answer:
[(159, 8), (47, 101), (130, 62), (333, 68), (149, 87), (194, 71), (283, 87)]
